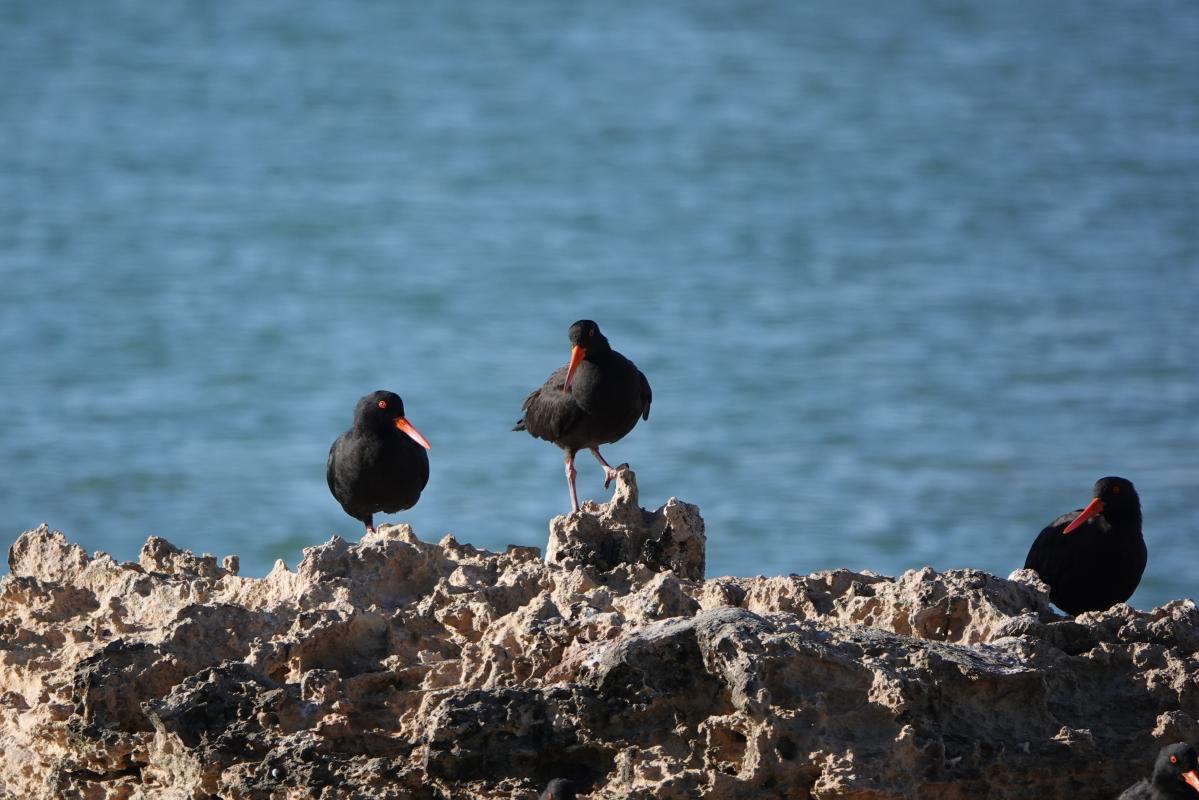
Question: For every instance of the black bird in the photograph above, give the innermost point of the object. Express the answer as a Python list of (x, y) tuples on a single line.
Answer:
[(559, 789), (1093, 558), (380, 463), (1176, 769), (595, 399)]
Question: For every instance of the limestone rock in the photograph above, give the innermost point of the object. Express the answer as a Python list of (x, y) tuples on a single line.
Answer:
[(396, 668), (620, 532)]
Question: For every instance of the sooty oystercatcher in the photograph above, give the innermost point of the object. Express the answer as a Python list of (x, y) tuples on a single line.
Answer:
[(1093, 558), (594, 400), (1174, 775), (559, 789), (380, 463)]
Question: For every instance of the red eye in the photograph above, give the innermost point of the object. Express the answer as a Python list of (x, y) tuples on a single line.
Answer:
[(1173, 759), (382, 404), (1115, 490)]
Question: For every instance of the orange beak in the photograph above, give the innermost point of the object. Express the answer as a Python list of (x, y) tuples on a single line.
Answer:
[(577, 354), (412, 432), (1093, 508), (1192, 779)]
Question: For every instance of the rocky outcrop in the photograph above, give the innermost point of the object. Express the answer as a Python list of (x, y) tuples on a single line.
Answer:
[(394, 668)]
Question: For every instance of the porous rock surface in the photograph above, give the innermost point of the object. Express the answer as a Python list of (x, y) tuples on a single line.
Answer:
[(394, 668)]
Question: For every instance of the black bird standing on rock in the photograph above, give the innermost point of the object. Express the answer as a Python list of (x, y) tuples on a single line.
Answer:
[(559, 789), (1175, 775), (595, 399), (380, 463), (1093, 558)]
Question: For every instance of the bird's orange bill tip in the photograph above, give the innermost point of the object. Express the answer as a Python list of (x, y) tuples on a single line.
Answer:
[(407, 428), (1093, 508), (577, 354), (1192, 779)]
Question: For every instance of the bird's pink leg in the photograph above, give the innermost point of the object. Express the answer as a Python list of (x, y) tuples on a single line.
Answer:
[(609, 473), (571, 472)]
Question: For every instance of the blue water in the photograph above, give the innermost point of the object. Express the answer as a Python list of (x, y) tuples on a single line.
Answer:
[(906, 278)]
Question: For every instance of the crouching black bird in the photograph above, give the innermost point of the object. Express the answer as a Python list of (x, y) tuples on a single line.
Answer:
[(1175, 775), (559, 789), (380, 463), (1093, 558), (595, 399)]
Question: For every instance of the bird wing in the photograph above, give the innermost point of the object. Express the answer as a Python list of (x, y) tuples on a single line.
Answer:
[(1041, 556), (1141, 790), (549, 411), (331, 467), (647, 395)]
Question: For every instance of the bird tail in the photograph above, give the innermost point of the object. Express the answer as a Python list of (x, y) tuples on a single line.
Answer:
[(520, 425)]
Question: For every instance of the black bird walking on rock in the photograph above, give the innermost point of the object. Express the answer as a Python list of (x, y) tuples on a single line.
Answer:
[(1175, 775), (1093, 558), (559, 789), (380, 463), (595, 399)]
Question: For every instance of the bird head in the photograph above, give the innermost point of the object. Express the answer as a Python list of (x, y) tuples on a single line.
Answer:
[(1177, 762), (559, 789), (382, 410), (585, 337), (1113, 497)]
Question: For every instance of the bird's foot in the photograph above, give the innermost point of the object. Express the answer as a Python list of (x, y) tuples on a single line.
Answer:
[(610, 473)]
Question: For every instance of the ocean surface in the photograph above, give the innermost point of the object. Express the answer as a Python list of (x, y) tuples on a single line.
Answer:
[(906, 278)]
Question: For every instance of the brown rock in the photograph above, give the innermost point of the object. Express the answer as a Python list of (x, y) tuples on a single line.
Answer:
[(620, 532), (395, 668)]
